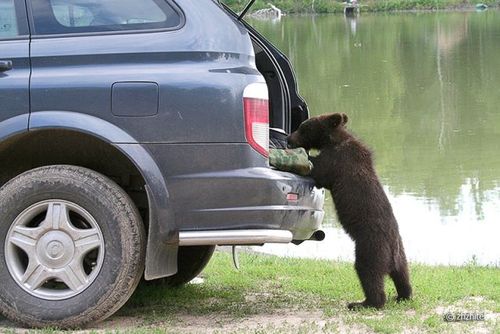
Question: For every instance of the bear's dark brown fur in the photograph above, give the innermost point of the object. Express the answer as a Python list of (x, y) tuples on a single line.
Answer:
[(345, 167)]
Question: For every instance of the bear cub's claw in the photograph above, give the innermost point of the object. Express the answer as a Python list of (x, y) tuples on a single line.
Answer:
[(402, 299), (354, 306), (358, 306)]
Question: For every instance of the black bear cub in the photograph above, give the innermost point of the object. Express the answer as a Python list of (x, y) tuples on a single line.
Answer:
[(345, 167)]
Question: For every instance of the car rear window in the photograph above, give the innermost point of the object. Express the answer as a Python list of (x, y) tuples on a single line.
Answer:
[(87, 16), (8, 21)]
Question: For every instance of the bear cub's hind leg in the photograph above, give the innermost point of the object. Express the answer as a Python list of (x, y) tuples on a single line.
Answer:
[(401, 279), (372, 282)]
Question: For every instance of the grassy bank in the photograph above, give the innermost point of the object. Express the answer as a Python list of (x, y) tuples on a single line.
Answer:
[(275, 295), (268, 285), (332, 6)]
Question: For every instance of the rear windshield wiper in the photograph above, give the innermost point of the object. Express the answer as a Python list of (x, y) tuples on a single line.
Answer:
[(245, 10)]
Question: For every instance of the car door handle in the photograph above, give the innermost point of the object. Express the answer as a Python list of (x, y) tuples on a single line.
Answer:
[(5, 65)]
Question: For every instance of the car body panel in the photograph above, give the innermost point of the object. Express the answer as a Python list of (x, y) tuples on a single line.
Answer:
[(201, 75), (199, 171), (14, 83), (223, 186)]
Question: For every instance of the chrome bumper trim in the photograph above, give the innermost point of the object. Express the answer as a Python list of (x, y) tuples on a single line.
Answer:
[(234, 237)]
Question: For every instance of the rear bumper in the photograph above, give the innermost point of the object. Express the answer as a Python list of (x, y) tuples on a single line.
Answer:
[(233, 237), (248, 198)]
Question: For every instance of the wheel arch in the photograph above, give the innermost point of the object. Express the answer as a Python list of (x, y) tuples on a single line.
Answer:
[(91, 142)]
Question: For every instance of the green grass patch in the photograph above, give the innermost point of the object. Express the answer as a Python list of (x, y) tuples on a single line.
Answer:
[(268, 284)]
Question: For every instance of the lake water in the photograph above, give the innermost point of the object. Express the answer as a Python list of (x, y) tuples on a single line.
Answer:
[(423, 90)]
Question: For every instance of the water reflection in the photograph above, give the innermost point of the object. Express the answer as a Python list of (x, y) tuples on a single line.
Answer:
[(352, 23), (422, 90), (428, 236)]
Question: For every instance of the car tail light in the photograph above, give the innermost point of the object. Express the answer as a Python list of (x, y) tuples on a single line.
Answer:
[(292, 197), (256, 110)]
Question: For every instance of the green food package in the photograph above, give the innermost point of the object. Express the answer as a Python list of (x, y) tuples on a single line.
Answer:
[(291, 160)]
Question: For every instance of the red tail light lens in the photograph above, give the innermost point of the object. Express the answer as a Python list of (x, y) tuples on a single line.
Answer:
[(256, 109)]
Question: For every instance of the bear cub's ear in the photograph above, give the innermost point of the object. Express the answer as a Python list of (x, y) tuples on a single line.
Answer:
[(334, 120), (344, 119)]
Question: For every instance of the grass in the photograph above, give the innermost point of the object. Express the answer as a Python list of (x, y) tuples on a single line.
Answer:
[(268, 284), (268, 291)]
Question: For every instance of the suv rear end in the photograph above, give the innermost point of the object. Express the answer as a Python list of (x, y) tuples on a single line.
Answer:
[(233, 183), (158, 120)]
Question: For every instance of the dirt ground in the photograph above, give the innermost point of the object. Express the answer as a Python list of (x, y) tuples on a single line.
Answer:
[(281, 321), (278, 322)]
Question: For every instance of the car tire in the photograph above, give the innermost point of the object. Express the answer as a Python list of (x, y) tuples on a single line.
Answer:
[(72, 247), (191, 260)]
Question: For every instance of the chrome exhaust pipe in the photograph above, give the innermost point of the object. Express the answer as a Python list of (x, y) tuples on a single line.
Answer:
[(319, 235), (233, 237)]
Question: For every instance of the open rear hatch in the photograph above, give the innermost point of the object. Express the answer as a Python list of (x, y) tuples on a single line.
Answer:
[(287, 109)]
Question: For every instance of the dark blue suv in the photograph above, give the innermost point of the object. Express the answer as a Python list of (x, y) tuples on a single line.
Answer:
[(134, 137)]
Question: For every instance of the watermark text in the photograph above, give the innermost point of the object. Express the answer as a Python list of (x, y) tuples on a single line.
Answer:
[(463, 316)]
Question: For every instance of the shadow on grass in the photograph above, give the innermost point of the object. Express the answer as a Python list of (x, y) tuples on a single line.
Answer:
[(263, 285), (193, 299)]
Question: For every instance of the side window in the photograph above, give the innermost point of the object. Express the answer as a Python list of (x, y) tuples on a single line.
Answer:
[(83, 16), (8, 21)]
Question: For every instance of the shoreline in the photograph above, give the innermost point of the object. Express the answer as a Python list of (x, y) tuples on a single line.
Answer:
[(316, 7), (381, 13), (251, 250)]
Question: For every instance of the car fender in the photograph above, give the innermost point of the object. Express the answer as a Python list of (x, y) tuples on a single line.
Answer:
[(163, 236), (13, 126)]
